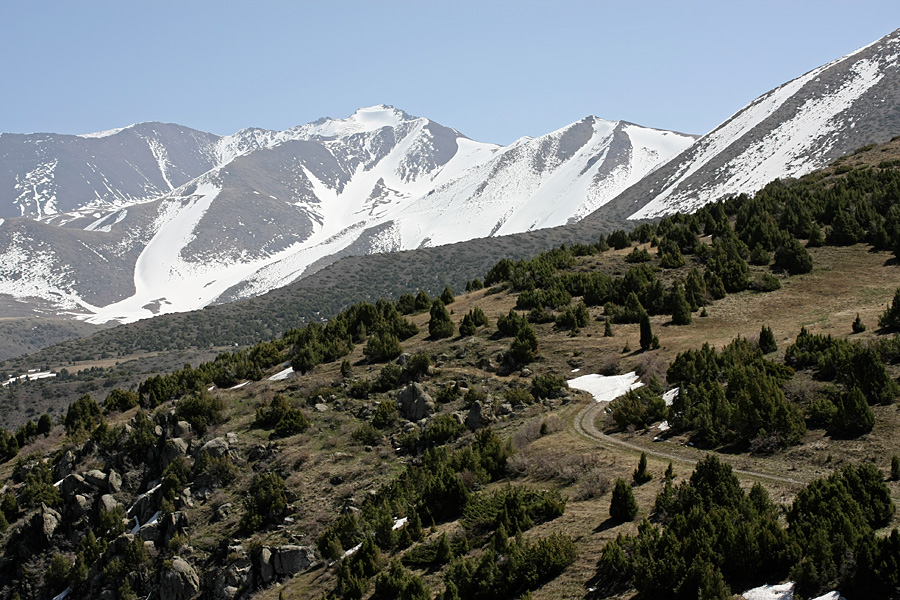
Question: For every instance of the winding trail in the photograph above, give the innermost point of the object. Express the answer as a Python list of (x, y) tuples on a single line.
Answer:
[(585, 423)]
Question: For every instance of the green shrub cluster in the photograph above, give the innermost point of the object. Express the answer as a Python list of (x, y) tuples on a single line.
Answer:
[(281, 416), (733, 397)]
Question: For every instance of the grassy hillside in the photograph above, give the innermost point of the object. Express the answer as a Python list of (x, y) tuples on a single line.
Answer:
[(465, 467)]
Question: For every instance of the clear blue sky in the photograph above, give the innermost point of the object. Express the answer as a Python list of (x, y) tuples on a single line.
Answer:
[(495, 70)]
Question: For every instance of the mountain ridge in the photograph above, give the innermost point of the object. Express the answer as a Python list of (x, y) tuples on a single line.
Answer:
[(277, 205), (799, 126)]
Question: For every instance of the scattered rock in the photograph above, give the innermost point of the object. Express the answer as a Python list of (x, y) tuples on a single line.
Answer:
[(525, 372), (319, 407), (479, 416), (114, 481), (82, 505), (414, 403), (266, 568), (181, 582), (45, 524), (290, 560), (222, 512), (108, 502), (96, 478), (403, 359), (505, 408), (71, 485), (486, 364), (231, 437), (65, 466), (216, 447), (182, 429), (174, 447)]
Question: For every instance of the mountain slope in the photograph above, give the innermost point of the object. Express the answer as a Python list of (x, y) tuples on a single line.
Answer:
[(271, 207), (790, 131)]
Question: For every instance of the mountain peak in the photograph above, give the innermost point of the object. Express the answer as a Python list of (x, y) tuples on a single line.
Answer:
[(364, 120)]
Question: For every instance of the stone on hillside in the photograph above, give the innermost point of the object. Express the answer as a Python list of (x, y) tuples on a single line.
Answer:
[(216, 447), (114, 481), (97, 479), (181, 429), (108, 502), (65, 466), (81, 506), (479, 416), (222, 512), (290, 560), (486, 364), (45, 524), (181, 582), (174, 447), (403, 359), (320, 407), (150, 532), (71, 485), (266, 566), (414, 403)]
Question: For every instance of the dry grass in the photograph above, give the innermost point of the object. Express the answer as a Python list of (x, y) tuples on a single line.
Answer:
[(326, 469)]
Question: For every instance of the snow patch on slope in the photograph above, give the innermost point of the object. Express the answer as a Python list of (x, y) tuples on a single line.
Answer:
[(606, 388), (164, 281)]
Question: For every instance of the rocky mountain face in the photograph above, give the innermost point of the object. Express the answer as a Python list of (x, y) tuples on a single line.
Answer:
[(790, 131), (155, 218)]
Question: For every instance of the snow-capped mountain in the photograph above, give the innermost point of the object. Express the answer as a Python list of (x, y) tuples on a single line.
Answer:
[(792, 130), (156, 218)]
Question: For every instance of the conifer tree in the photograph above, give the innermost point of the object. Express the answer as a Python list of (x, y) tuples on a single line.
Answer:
[(641, 475), (607, 329), (681, 309), (816, 239), (447, 295), (890, 319), (895, 468), (670, 472), (854, 416), (440, 325), (858, 325), (767, 340), (623, 506), (467, 327), (422, 301)]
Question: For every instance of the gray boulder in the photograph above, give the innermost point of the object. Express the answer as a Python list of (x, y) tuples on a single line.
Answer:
[(45, 523), (216, 447), (71, 485), (414, 403), (97, 479), (174, 447), (181, 429), (114, 481), (478, 416), (181, 582), (266, 566), (108, 502), (290, 560)]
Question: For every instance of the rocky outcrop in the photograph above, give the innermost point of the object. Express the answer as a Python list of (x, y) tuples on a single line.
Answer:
[(283, 561), (414, 403), (180, 582), (44, 524), (216, 447)]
